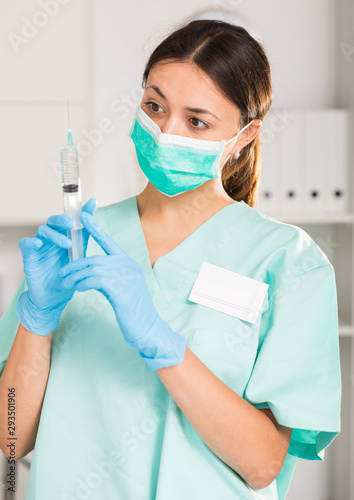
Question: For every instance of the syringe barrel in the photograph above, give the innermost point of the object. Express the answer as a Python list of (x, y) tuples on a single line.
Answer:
[(69, 168), (72, 208), (77, 249), (72, 199)]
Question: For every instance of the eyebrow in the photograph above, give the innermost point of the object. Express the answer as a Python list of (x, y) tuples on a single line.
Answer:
[(199, 111)]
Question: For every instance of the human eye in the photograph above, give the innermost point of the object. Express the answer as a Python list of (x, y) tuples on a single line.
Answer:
[(153, 107), (198, 124)]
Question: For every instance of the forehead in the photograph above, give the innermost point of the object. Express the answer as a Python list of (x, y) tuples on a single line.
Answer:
[(185, 84)]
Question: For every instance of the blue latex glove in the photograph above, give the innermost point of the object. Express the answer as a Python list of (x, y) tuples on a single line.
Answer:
[(40, 307), (120, 279)]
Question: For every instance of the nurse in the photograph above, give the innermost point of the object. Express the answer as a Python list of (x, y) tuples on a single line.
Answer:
[(194, 352)]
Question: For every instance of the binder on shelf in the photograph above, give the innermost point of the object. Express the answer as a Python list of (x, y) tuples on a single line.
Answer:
[(305, 163), (291, 145), (269, 192), (336, 168), (316, 147)]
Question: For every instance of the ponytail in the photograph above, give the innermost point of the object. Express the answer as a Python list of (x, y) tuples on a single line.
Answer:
[(240, 178)]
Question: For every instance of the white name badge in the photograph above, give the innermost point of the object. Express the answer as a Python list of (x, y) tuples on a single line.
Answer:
[(228, 292)]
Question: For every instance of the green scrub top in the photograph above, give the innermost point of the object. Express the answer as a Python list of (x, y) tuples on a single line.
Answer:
[(110, 429)]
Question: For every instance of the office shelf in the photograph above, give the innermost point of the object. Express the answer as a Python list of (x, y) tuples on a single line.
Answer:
[(346, 330), (341, 218)]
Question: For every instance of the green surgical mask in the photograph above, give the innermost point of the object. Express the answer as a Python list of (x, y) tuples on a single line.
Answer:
[(173, 163)]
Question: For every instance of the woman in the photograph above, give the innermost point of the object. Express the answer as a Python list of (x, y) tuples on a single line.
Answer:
[(214, 363)]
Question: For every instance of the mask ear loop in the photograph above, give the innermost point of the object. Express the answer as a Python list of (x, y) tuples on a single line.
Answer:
[(240, 132), (237, 154)]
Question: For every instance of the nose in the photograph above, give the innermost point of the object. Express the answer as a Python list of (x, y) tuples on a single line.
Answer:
[(171, 125)]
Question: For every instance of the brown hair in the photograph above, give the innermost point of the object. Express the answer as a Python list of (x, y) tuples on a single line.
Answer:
[(238, 65)]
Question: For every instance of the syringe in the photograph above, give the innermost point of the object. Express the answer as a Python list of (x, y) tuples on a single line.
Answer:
[(72, 195)]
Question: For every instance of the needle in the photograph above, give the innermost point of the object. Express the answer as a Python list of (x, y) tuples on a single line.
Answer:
[(70, 137)]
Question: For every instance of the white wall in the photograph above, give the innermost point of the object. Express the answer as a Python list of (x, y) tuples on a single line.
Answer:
[(93, 53)]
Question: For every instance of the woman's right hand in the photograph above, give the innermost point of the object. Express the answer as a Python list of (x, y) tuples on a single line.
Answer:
[(40, 307)]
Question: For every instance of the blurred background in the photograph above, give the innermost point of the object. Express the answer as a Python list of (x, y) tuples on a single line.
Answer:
[(93, 53)]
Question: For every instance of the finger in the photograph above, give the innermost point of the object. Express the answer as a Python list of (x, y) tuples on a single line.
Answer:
[(29, 245), (75, 277), (46, 233), (77, 265), (62, 221), (102, 238), (87, 284), (90, 206)]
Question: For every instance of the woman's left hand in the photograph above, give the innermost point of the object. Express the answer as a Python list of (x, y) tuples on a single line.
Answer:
[(121, 280)]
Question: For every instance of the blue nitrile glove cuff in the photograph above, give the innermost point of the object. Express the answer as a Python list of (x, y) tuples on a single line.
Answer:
[(161, 346), (35, 320)]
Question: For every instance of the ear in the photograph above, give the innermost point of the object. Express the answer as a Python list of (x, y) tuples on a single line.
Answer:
[(247, 135)]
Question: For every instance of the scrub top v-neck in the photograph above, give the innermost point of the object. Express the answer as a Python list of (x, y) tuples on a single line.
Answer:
[(186, 241), (183, 262), (110, 429)]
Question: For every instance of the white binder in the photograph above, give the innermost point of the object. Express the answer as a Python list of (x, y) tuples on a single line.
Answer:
[(327, 155), (336, 169), (269, 189), (305, 162), (291, 144), (315, 156)]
